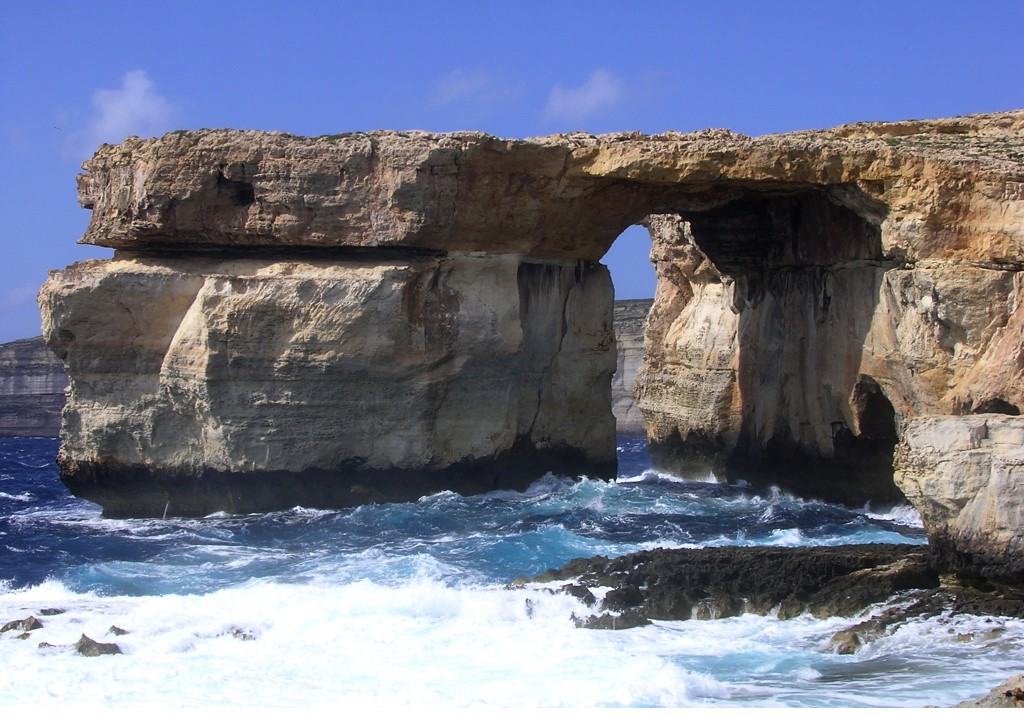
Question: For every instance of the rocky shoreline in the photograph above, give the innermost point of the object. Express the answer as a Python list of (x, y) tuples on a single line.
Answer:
[(721, 582), (889, 585)]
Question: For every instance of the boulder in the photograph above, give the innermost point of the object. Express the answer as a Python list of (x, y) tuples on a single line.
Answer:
[(88, 647), (26, 624), (965, 475), (1008, 695)]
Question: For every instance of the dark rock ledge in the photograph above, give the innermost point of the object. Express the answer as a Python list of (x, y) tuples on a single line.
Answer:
[(728, 581), (714, 583)]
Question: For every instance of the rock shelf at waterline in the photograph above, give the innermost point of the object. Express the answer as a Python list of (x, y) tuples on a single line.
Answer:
[(719, 582), (824, 582)]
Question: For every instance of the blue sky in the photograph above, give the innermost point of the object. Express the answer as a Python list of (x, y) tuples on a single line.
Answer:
[(74, 74)]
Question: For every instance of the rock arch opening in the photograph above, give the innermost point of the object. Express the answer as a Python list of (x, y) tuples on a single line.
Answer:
[(633, 282), (754, 347)]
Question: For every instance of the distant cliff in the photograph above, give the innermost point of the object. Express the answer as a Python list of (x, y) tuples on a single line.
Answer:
[(629, 340), (32, 383), (32, 379)]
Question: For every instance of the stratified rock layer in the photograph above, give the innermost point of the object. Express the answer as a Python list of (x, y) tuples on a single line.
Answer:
[(33, 378), (32, 383), (816, 291), (630, 317), (207, 383)]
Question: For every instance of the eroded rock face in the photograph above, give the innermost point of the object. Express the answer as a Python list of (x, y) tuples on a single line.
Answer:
[(33, 378), (792, 333), (816, 291), (206, 383), (965, 475)]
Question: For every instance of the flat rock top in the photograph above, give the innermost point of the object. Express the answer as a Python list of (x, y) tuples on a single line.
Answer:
[(991, 138), (559, 197)]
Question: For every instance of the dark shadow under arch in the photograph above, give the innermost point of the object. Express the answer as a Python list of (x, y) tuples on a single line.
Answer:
[(804, 267)]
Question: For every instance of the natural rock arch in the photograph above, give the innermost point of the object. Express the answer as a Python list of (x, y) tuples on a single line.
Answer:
[(357, 317)]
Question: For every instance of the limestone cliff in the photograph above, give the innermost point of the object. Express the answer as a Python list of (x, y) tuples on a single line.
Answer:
[(33, 378), (249, 384), (32, 383), (816, 291), (965, 475), (630, 317)]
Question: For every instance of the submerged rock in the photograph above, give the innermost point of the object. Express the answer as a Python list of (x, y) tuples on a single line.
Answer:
[(116, 630), (944, 603), (89, 647), (241, 634), (719, 582), (628, 619), (26, 624), (580, 592), (851, 639), (722, 582)]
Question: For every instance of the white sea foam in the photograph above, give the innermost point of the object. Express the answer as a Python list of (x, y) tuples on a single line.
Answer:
[(900, 514), (418, 644), (423, 643), (20, 497), (652, 475)]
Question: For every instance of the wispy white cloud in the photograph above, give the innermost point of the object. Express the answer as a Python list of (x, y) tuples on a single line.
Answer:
[(478, 88), (18, 296), (459, 85), (601, 90), (133, 108)]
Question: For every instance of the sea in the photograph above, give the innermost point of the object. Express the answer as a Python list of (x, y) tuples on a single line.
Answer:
[(409, 604)]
